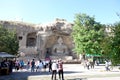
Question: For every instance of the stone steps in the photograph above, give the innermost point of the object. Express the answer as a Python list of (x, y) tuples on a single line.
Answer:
[(61, 57)]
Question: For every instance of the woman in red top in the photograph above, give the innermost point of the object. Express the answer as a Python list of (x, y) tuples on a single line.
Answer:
[(60, 70)]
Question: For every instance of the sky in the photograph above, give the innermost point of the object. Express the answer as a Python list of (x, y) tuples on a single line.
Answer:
[(44, 11)]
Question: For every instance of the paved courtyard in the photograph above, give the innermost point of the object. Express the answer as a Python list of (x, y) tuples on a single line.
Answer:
[(71, 72)]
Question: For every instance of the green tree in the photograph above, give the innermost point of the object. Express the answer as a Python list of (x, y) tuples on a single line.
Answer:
[(8, 41), (111, 44), (115, 44), (87, 35)]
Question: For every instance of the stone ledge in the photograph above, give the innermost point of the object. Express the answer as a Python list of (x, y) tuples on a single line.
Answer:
[(72, 62)]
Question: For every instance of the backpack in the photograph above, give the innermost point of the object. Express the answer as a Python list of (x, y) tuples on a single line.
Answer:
[(32, 63)]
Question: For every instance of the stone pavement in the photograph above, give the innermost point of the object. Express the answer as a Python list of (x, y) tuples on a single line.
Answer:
[(71, 72), (105, 78)]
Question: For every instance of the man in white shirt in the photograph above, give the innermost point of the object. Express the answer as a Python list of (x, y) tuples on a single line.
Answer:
[(54, 70)]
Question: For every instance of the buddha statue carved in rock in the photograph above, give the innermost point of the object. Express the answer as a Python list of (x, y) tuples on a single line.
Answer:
[(60, 48)]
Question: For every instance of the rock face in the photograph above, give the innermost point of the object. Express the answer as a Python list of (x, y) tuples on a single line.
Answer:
[(43, 40)]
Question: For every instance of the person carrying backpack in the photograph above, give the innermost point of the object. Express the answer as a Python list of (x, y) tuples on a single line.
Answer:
[(32, 65)]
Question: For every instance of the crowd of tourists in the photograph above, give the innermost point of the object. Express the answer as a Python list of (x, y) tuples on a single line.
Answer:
[(53, 66), (6, 66), (89, 64)]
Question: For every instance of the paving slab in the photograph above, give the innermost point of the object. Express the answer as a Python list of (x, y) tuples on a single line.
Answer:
[(71, 72)]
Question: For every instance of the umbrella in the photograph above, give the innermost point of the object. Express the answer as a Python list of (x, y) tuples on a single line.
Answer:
[(5, 55)]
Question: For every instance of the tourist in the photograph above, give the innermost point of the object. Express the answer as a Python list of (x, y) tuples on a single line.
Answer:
[(44, 65), (54, 70), (40, 65), (92, 64), (88, 64), (60, 70), (37, 65), (50, 66), (10, 66), (28, 64), (21, 64), (107, 66), (32, 65), (85, 63), (97, 62), (17, 65)]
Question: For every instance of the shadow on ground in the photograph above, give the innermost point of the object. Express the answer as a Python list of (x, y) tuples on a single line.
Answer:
[(78, 79), (25, 75)]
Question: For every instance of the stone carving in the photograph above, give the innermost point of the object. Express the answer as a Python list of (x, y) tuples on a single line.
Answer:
[(60, 48)]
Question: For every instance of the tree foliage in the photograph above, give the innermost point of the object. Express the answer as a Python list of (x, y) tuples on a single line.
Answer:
[(8, 41), (87, 34), (115, 44)]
